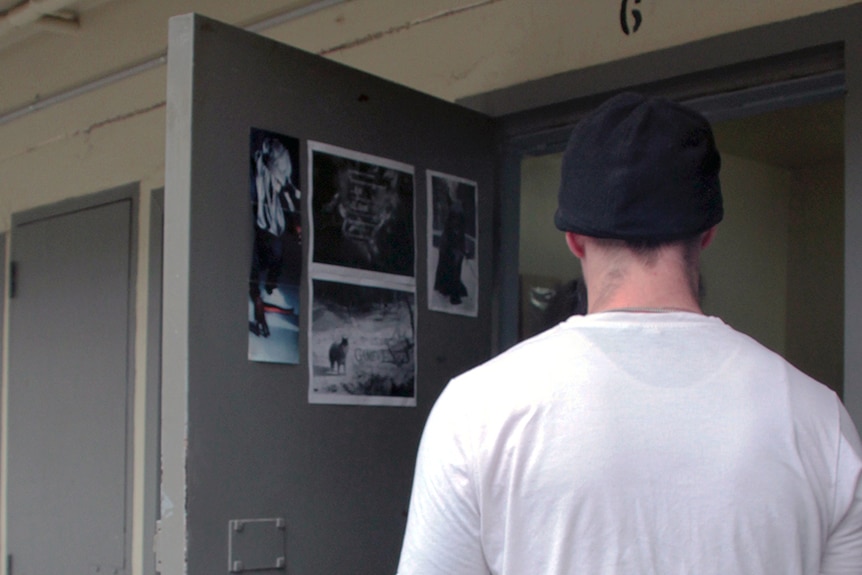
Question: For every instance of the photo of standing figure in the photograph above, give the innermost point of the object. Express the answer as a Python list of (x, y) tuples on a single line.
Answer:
[(453, 271), (276, 262)]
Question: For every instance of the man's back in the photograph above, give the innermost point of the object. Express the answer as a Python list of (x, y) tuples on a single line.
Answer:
[(640, 443)]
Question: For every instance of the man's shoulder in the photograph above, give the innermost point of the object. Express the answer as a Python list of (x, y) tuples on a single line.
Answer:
[(533, 356)]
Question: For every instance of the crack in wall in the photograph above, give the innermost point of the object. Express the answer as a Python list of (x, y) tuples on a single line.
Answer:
[(139, 112), (402, 27), (84, 131)]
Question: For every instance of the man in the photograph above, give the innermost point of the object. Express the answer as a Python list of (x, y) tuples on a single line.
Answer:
[(643, 437)]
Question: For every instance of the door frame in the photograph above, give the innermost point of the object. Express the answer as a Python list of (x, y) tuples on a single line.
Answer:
[(797, 79)]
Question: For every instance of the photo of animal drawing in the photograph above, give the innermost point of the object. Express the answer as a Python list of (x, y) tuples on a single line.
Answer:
[(276, 259), (362, 344)]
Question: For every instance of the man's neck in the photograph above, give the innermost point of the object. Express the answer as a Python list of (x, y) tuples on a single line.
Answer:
[(662, 286)]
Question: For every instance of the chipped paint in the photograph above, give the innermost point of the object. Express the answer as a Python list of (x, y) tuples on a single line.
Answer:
[(167, 507)]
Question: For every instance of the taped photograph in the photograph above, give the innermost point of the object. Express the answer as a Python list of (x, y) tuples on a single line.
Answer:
[(276, 258), (362, 344), (362, 211), (453, 265)]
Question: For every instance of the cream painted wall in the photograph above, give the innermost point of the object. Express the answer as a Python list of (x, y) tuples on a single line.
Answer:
[(84, 145)]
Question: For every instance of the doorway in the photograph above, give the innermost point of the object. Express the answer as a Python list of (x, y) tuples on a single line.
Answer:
[(776, 268)]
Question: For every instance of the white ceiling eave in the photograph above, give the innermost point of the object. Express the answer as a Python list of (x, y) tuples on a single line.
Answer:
[(37, 11)]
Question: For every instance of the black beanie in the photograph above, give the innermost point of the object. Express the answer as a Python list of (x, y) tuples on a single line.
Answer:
[(640, 169)]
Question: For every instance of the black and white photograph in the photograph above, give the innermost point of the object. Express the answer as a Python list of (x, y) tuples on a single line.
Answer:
[(362, 211), (362, 344), (453, 267), (276, 258)]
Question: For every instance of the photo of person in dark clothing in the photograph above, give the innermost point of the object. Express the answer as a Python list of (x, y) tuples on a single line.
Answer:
[(453, 269), (447, 279), (276, 263)]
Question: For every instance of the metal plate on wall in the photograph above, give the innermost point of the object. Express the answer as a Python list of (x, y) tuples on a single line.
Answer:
[(256, 544)]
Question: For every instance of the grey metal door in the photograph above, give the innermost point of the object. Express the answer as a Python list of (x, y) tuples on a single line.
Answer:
[(69, 382)]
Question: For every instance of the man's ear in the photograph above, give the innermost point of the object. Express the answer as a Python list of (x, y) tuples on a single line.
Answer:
[(576, 244), (708, 236)]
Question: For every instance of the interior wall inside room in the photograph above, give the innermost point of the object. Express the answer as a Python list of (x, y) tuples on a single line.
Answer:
[(546, 265), (806, 144), (745, 269), (815, 298), (543, 251)]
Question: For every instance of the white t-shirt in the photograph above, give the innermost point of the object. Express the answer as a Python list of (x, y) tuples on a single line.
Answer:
[(636, 443)]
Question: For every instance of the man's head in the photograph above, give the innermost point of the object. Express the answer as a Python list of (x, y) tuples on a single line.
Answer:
[(640, 185), (642, 170)]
